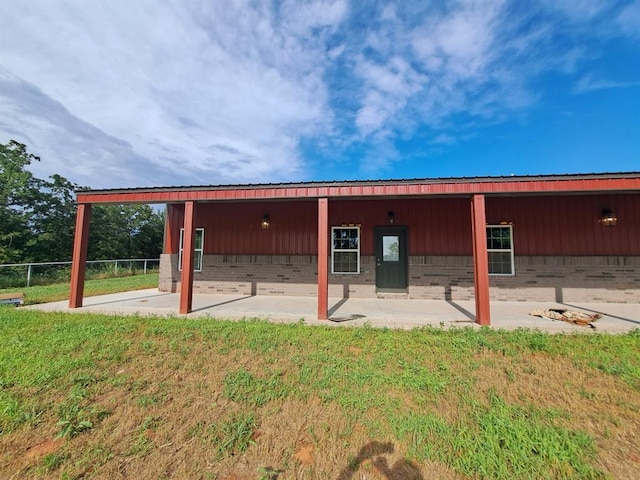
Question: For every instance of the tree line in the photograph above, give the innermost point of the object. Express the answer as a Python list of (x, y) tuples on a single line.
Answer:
[(37, 218)]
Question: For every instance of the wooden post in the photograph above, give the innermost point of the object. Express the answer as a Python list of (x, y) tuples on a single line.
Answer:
[(323, 254), (480, 260), (79, 258), (188, 244)]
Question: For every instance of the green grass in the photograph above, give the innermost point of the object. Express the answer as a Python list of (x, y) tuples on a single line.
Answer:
[(102, 286), (233, 436), (501, 441), (478, 401)]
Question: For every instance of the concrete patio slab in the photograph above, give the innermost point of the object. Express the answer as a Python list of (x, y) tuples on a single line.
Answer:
[(390, 313)]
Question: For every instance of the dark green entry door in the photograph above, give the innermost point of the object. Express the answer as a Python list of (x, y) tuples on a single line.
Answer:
[(391, 258)]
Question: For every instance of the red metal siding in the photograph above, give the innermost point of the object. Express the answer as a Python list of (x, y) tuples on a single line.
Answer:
[(235, 228), (436, 226), (569, 225), (543, 225)]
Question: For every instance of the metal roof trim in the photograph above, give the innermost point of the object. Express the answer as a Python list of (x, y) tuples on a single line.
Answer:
[(381, 182)]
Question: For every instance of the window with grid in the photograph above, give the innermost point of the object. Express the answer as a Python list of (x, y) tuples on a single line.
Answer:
[(500, 249), (345, 249), (197, 251)]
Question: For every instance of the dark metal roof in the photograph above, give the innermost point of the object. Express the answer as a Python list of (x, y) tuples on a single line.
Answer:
[(382, 182)]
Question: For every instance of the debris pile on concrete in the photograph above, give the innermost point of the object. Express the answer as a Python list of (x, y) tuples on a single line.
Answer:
[(571, 316)]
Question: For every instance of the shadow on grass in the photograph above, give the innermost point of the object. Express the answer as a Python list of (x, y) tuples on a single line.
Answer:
[(400, 470)]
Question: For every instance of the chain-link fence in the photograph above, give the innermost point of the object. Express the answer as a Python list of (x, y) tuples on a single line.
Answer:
[(46, 273)]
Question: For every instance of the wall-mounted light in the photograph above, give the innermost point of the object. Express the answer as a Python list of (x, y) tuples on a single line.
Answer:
[(609, 218), (391, 217), (266, 223)]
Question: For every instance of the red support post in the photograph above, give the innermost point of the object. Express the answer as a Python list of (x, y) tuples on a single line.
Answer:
[(79, 258), (171, 230), (188, 244), (323, 254), (166, 234), (480, 260)]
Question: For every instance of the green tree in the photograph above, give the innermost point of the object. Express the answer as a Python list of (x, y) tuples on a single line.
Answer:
[(150, 235), (18, 190), (125, 231), (37, 218), (52, 221)]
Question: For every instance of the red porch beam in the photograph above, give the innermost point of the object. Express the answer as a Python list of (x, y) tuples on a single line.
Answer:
[(79, 258), (480, 260), (188, 243), (461, 186), (323, 254)]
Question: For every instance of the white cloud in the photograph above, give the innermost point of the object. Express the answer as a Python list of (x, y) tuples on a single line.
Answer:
[(172, 79), (183, 91), (388, 88), (318, 14), (443, 139), (460, 41), (445, 62), (629, 19), (589, 84)]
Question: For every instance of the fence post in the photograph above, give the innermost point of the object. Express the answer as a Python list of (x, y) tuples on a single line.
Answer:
[(29, 275), (145, 267), (115, 270)]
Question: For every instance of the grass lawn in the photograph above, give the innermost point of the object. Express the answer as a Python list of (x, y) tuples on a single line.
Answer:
[(102, 286), (98, 396)]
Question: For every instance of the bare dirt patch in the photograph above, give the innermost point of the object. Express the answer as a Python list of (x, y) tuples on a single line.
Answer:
[(41, 449)]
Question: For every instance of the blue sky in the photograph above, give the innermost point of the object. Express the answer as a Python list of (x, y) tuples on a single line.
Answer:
[(185, 92)]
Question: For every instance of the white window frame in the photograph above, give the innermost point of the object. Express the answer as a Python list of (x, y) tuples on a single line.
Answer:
[(335, 250), (502, 250), (196, 267)]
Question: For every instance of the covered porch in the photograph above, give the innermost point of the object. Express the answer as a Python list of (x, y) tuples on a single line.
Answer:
[(442, 217)]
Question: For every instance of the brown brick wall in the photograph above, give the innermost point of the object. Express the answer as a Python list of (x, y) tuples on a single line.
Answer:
[(573, 279), (267, 275), (549, 278)]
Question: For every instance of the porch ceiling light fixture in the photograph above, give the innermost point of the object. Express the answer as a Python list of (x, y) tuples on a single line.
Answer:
[(266, 222), (391, 217), (609, 218)]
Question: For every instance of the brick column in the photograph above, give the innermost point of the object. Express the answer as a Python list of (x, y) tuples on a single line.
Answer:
[(79, 259), (480, 260), (188, 243), (323, 253)]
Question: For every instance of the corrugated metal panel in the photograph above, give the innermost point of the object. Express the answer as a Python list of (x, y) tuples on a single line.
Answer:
[(543, 225), (569, 225), (235, 228), (436, 226)]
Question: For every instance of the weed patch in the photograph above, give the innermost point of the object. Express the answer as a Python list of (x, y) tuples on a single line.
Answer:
[(243, 387), (234, 436)]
